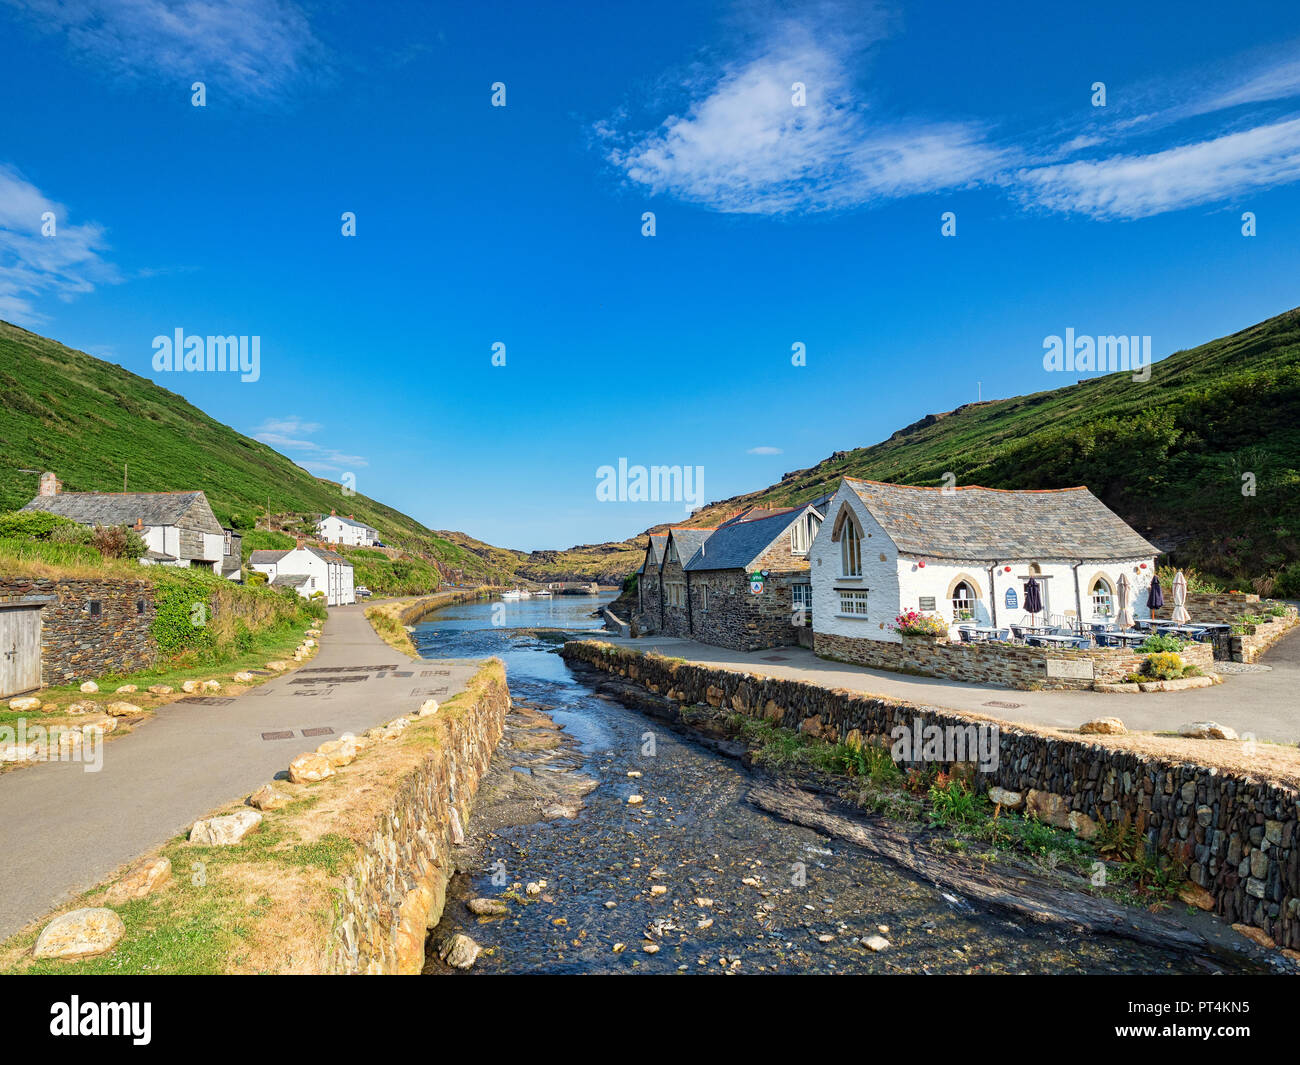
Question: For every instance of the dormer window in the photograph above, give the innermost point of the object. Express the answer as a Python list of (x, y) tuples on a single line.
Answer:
[(802, 534)]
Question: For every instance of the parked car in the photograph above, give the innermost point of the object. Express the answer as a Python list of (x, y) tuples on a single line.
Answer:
[(363, 592)]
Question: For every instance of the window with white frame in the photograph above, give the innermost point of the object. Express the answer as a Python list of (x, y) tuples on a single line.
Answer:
[(963, 601), (853, 602), (1103, 599), (851, 550), (676, 593), (704, 597), (802, 534), (801, 596)]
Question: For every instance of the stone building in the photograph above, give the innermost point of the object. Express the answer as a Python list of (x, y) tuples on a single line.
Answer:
[(178, 528), (647, 581), (744, 584), (967, 554)]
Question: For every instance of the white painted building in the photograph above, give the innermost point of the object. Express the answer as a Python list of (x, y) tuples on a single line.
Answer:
[(308, 569), (966, 554), (335, 529)]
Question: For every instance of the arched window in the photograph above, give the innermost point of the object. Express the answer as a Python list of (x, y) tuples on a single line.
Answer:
[(851, 550), (1103, 598), (963, 601), (802, 534)]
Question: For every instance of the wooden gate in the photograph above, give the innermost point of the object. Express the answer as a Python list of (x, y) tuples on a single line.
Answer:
[(20, 650)]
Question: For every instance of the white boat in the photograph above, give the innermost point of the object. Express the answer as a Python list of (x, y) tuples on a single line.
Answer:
[(511, 594), (525, 595), (545, 593)]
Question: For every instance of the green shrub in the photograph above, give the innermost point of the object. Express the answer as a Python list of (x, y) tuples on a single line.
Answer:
[(1164, 665), (32, 524), (1158, 644), (1287, 583)]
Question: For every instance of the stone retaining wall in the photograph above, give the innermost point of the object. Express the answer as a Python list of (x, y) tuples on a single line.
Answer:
[(1007, 665), (395, 891), (1237, 837), (76, 644), (1259, 638)]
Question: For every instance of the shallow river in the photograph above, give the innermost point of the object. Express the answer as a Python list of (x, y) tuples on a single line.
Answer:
[(745, 892)]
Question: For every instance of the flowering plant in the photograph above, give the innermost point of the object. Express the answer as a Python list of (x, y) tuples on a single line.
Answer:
[(914, 623)]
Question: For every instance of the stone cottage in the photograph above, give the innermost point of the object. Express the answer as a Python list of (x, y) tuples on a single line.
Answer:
[(744, 584), (647, 581), (967, 554), (308, 569), (178, 528)]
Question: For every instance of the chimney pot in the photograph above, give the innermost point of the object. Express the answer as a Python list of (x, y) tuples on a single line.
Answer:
[(49, 484)]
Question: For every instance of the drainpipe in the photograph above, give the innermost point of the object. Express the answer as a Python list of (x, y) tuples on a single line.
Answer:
[(993, 595), (690, 621), (1078, 599)]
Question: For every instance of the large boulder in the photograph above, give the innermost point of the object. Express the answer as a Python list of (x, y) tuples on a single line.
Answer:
[(243, 677), (459, 951), (427, 708), (1104, 726), (161, 689), (267, 797), (1049, 808), (191, 686), (1206, 730), (24, 704), (277, 666), (1003, 797), (340, 752), (140, 880), (89, 687), (309, 768), (126, 689), (212, 685), (122, 709), (80, 934), (224, 831)]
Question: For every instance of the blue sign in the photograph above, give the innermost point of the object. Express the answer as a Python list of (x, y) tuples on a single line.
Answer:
[(1013, 600)]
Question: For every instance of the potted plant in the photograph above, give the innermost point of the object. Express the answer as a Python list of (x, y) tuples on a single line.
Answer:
[(914, 623)]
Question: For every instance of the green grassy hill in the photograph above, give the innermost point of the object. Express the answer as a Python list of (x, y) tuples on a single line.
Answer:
[(66, 411), (1169, 455)]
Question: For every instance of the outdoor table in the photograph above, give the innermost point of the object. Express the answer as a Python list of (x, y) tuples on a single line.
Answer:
[(1047, 638), (1133, 638)]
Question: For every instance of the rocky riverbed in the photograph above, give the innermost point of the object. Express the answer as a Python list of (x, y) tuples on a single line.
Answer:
[(611, 843)]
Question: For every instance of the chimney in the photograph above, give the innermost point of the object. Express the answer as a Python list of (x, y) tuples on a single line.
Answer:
[(352, 517), (333, 512), (49, 485), (139, 524)]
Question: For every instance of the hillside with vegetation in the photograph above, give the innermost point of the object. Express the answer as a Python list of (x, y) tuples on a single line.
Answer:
[(86, 419), (1176, 456)]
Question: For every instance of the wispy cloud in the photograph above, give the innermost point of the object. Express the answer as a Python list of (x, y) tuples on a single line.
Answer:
[(254, 49), (32, 265), (765, 450), (743, 143), (1137, 186), (291, 433), (736, 142)]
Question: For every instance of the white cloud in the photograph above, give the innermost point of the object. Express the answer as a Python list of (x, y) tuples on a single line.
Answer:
[(290, 434), (765, 450), (250, 48), (1137, 186), (66, 264), (741, 144)]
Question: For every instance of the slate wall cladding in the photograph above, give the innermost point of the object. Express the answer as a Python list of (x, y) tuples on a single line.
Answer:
[(396, 889), (77, 645), (1006, 665), (675, 622), (1236, 836), (736, 617)]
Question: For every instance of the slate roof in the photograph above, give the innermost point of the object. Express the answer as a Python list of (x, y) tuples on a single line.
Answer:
[(290, 580), (349, 521), (120, 508), (688, 542), (327, 555), (736, 544), (990, 524), (757, 514), (265, 557), (655, 550)]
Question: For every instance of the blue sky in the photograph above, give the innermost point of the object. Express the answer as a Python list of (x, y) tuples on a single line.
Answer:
[(775, 223)]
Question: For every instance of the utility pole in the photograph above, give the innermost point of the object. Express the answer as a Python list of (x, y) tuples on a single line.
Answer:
[(124, 478), (979, 391)]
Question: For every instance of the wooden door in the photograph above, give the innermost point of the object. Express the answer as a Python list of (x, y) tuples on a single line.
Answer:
[(20, 650)]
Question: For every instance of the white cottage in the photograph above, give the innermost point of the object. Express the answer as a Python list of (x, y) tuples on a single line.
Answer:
[(308, 569), (966, 554), (336, 529)]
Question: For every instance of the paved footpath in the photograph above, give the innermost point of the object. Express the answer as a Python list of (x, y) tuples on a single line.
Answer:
[(1265, 703), (64, 830)]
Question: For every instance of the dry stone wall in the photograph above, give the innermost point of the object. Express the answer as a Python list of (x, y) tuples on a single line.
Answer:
[(1003, 664), (395, 891), (1235, 836)]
